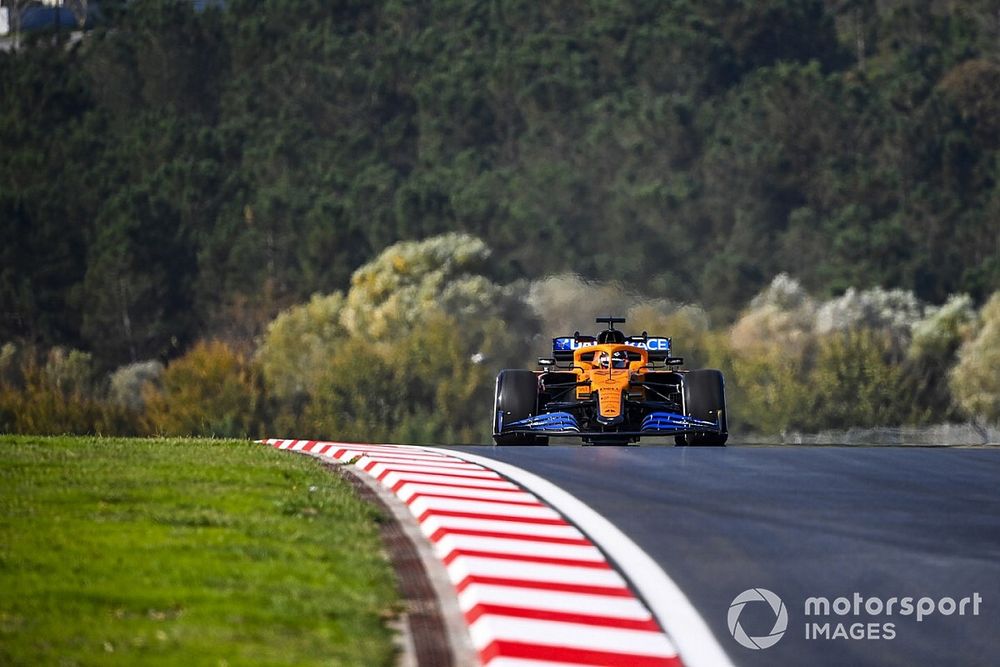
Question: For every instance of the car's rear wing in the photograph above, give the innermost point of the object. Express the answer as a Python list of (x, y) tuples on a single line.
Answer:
[(563, 347)]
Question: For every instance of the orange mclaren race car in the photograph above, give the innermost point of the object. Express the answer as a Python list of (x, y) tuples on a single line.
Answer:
[(610, 389)]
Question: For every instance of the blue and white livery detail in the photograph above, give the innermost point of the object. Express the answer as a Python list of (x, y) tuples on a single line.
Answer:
[(664, 422), (569, 344), (548, 421)]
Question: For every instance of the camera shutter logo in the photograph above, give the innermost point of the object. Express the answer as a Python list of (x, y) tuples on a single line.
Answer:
[(780, 618)]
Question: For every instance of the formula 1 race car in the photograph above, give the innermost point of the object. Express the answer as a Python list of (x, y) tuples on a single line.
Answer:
[(610, 389)]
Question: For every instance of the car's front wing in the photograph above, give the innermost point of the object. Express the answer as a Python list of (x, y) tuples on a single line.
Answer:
[(566, 424)]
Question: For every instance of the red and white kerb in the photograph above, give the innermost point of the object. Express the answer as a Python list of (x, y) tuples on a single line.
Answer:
[(535, 591)]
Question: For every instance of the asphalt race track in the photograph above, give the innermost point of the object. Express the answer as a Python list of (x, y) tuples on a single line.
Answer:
[(808, 522)]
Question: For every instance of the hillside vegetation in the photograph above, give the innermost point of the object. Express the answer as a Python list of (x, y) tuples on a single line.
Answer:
[(410, 351), (188, 188)]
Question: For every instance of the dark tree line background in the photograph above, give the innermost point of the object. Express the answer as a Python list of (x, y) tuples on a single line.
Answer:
[(179, 175)]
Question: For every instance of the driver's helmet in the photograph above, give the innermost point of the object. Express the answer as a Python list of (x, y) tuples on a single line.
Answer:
[(617, 359), (610, 336)]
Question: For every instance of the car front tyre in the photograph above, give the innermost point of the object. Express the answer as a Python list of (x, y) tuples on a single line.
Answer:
[(517, 398), (705, 398)]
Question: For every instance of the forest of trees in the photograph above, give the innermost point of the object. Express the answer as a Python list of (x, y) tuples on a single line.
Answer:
[(178, 179)]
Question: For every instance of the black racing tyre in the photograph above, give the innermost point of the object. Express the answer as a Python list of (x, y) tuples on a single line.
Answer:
[(517, 398), (705, 398)]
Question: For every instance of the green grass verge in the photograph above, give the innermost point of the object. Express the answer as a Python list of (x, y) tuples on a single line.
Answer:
[(185, 552)]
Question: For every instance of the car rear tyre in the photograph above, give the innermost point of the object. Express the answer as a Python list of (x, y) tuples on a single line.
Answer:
[(516, 399), (705, 398)]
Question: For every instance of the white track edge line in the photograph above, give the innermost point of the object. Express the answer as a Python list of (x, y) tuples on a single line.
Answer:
[(685, 627)]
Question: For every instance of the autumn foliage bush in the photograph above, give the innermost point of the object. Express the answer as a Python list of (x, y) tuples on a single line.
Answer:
[(212, 390), (55, 393)]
